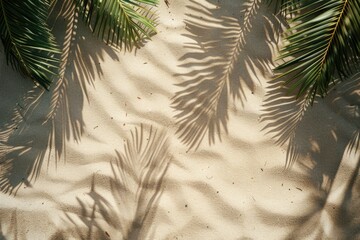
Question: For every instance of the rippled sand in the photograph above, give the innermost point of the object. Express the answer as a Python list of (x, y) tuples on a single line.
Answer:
[(185, 138)]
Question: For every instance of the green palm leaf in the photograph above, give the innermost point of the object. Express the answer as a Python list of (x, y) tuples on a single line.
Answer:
[(121, 23), (28, 42), (284, 7), (323, 42)]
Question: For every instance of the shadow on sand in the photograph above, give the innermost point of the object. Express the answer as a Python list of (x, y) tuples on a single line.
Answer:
[(323, 140), (224, 59), (12, 228), (125, 211), (41, 121)]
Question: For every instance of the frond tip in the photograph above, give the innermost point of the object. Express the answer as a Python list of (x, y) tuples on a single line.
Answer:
[(323, 41), (120, 23)]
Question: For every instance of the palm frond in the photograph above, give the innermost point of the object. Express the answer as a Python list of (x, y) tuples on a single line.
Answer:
[(284, 7), (120, 23), (28, 42), (323, 41)]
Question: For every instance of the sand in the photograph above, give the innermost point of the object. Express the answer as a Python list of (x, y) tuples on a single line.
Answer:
[(185, 138)]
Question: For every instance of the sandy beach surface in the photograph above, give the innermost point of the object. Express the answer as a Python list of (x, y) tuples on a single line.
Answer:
[(185, 138)]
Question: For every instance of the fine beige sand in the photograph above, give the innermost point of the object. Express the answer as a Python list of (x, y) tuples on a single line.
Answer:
[(185, 138)]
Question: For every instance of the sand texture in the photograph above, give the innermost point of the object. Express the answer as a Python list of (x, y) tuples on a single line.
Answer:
[(185, 138)]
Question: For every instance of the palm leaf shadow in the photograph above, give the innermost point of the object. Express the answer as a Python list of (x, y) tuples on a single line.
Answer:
[(322, 140), (11, 228), (56, 115), (318, 206), (282, 115), (221, 64), (291, 121), (302, 226), (135, 186)]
